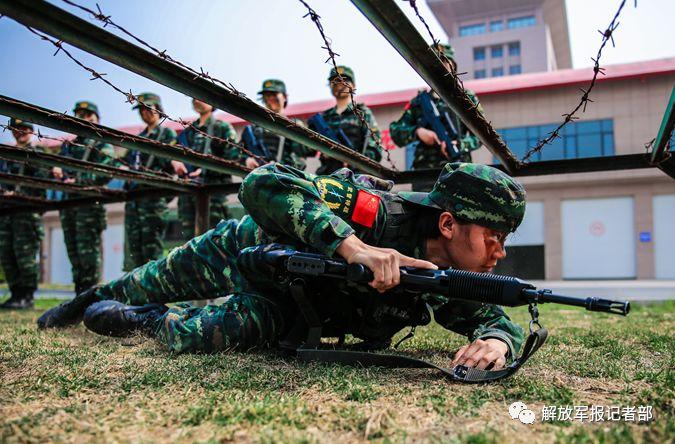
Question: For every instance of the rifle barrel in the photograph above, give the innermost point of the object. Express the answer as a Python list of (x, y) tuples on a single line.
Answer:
[(589, 303)]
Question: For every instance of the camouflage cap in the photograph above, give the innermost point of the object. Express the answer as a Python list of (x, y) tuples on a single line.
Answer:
[(476, 193), (273, 85), (344, 71), (87, 106), (18, 123), (447, 50), (148, 99)]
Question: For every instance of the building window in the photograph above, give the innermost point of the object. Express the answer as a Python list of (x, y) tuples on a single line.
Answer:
[(497, 72), (496, 26), (479, 53), (521, 22), (514, 49), (514, 70), (590, 138), (497, 52), (465, 31), (479, 74)]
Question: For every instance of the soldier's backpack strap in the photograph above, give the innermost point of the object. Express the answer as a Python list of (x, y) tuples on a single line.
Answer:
[(209, 131), (87, 152), (151, 158)]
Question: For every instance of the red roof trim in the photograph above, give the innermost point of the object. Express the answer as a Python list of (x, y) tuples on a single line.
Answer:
[(495, 85)]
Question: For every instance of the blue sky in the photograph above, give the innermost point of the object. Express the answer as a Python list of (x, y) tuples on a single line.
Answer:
[(244, 42)]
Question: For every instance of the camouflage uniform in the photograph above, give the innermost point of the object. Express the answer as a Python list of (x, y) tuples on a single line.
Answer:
[(197, 141), (21, 234), (282, 150), (360, 137), (300, 209), (144, 219), (402, 132), (82, 226)]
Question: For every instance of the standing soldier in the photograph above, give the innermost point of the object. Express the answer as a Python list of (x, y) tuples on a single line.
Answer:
[(144, 219), (82, 226), (20, 234), (269, 145), (414, 130), (342, 124), (195, 137)]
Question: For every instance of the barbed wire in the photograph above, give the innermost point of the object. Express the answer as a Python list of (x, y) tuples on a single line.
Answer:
[(607, 36), (316, 19), (101, 131), (437, 47), (436, 43), (132, 98), (72, 142), (107, 21)]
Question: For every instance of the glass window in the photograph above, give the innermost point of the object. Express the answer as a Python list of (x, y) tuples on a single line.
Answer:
[(570, 146), (497, 52), (521, 22), (497, 72), (496, 26), (590, 138), (589, 145), (515, 69), (514, 49), (479, 53), (608, 144), (465, 31), (479, 74), (587, 127), (553, 151), (518, 146)]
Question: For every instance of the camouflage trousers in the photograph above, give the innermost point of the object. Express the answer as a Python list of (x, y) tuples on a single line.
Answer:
[(144, 224), (20, 238), (82, 229), (187, 211), (204, 268)]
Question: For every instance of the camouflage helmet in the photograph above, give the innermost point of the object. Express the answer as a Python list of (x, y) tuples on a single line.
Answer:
[(148, 99), (344, 71), (478, 194), (273, 85), (18, 123), (87, 106)]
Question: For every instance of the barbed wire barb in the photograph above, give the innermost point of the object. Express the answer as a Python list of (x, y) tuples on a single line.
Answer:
[(607, 36), (316, 19), (132, 98)]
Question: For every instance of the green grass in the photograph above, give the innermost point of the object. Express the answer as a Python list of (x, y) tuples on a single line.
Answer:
[(72, 385)]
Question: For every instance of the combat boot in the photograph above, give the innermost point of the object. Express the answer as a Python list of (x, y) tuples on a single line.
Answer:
[(113, 318), (20, 300), (69, 313)]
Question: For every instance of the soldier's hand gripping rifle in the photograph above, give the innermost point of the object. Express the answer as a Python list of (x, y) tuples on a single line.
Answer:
[(441, 124), (288, 265)]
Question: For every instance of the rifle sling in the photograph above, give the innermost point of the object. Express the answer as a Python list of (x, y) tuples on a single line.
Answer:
[(459, 373), (309, 351)]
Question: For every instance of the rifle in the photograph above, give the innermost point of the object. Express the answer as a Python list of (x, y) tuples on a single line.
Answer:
[(293, 268), (318, 123), (254, 145), (441, 124)]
